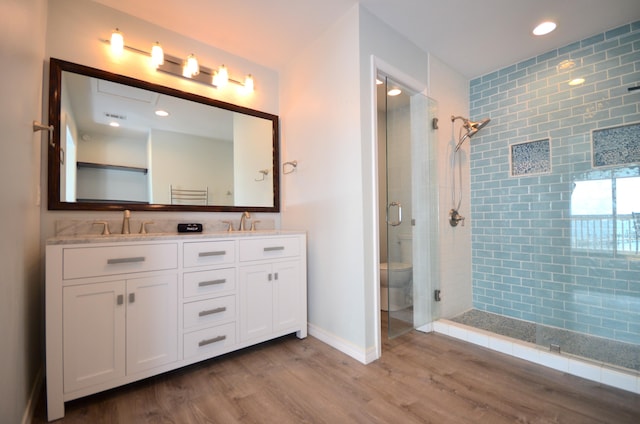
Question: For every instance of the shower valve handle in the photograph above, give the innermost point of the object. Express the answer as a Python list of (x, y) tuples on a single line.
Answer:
[(455, 218)]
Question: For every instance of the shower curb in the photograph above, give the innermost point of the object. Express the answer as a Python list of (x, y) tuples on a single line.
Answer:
[(591, 370)]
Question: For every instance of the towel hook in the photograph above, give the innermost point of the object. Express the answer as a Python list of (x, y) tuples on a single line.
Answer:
[(264, 173), (37, 126), (293, 166)]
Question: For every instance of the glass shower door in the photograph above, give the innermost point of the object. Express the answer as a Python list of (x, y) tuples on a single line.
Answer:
[(408, 208)]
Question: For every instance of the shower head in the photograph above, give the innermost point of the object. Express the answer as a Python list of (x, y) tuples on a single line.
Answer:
[(474, 127), (471, 127)]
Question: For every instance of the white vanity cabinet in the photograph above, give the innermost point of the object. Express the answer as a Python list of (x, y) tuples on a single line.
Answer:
[(116, 328), (124, 308), (209, 298), (269, 291), (93, 334)]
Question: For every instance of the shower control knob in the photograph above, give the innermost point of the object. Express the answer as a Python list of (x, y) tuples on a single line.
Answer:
[(455, 218)]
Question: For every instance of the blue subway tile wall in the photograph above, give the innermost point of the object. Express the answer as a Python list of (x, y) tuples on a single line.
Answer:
[(527, 262)]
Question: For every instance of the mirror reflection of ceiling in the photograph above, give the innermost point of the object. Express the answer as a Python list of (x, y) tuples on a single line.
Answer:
[(97, 103)]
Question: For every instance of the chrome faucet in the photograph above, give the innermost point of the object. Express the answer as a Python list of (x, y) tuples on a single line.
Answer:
[(125, 222), (243, 219)]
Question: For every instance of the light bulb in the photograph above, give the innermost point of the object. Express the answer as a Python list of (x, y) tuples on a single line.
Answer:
[(192, 68), (248, 83), (222, 76), (117, 42), (157, 55)]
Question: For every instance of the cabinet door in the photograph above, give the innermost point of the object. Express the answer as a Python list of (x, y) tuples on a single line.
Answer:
[(286, 295), (93, 334), (152, 322), (256, 301)]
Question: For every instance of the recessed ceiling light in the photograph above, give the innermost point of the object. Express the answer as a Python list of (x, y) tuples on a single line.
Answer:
[(544, 28), (394, 92), (566, 64), (114, 124), (576, 81), (161, 112), (378, 81)]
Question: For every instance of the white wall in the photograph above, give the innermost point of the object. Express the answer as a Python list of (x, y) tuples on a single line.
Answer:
[(204, 163), (451, 90), (250, 155), (333, 193), (320, 112), (73, 32), (23, 24)]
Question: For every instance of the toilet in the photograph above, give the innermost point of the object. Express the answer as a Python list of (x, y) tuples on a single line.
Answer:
[(400, 288)]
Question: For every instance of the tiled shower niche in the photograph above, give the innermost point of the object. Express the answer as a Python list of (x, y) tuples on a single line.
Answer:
[(616, 146), (532, 157)]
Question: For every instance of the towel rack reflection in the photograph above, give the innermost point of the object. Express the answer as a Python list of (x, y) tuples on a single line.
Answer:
[(292, 166)]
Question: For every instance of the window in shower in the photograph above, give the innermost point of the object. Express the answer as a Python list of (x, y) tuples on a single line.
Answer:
[(603, 204)]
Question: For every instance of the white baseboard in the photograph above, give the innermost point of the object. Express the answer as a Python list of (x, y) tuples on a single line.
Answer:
[(30, 409), (362, 355)]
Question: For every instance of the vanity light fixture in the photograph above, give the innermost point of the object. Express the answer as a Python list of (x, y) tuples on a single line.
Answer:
[(189, 68), (544, 28)]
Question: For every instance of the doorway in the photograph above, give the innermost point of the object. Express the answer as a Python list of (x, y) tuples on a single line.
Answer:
[(407, 206)]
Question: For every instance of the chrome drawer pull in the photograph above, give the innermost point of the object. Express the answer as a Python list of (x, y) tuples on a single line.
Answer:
[(212, 282), (273, 248), (114, 261), (214, 253), (212, 311), (209, 341)]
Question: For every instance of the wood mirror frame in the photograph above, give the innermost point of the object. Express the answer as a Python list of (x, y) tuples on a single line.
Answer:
[(57, 66)]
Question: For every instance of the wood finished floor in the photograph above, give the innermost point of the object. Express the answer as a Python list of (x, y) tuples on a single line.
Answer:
[(421, 378)]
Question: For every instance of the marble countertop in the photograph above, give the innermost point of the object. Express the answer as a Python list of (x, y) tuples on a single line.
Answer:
[(115, 238)]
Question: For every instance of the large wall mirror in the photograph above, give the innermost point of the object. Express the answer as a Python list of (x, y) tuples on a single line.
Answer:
[(122, 143)]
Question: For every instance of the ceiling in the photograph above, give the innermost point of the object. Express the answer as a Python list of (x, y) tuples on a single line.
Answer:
[(473, 37)]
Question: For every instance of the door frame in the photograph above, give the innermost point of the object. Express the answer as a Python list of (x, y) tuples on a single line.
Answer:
[(379, 65)]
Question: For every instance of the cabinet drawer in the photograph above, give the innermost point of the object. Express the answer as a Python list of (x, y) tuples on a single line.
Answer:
[(209, 282), (84, 262), (254, 250), (209, 253), (210, 311), (210, 340)]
